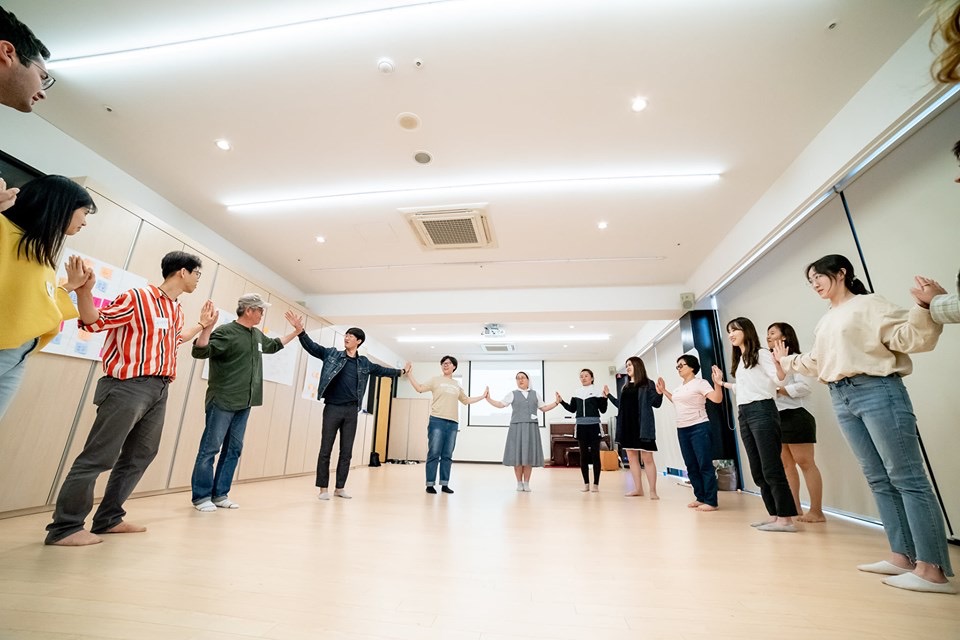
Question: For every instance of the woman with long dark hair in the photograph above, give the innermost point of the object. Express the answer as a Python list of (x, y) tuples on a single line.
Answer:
[(759, 421), (860, 349), (636, 426), (32, 231), (694, 430), (587, 403), (798, 428)]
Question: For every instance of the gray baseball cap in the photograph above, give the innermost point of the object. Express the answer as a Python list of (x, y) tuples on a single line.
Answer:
[(252, 301)]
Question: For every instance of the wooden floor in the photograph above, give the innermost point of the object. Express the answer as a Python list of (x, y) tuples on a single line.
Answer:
[(486, 563)]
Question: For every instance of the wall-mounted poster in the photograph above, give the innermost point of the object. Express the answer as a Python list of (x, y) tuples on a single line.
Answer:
[(111, 282)]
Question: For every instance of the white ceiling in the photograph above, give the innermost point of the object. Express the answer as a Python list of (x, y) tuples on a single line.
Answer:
[(508, 92)]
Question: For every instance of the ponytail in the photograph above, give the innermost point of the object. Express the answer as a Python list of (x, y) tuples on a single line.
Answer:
[(831, 266)]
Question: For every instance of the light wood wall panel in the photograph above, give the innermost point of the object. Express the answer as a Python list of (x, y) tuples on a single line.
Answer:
[(285, 396)]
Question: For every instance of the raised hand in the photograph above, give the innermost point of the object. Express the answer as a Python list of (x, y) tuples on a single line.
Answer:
[(486, 393), (661, 385), (76, 273), (209, 314), (7, 196), (297, 323), (89, 280), (717, 375), (925, 291), (557, 394), (780, 350), (606, 391), (407, 367)]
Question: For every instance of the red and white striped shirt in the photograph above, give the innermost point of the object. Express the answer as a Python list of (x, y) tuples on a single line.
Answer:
[(144, 332)]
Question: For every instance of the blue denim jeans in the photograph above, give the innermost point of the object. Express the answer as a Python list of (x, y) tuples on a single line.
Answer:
[(696, 446), (441, 439), (12, 367), (877, 420), (222, 434)]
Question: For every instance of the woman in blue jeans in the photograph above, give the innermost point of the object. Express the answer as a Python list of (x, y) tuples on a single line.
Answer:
[(444, 421), (860, 350), (694, 431)]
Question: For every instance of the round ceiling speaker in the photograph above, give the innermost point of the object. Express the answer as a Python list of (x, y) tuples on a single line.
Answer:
[(423, 157)]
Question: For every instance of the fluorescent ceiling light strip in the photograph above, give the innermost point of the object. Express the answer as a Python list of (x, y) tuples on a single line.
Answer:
[(900, 133), (490, 263), (908, 127), (759, 253), (693, 178), (657, 338), (163, 47), (518, 339)]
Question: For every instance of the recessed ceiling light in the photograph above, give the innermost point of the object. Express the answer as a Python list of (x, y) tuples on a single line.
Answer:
[(601, 225), (638, 104), (385, 65), (321, 239), (564, 346), (413, 328), (422, 157), (223, 144), (571, 326), (432, 347)]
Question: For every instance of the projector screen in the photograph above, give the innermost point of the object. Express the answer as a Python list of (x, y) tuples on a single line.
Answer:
[(500, 376)]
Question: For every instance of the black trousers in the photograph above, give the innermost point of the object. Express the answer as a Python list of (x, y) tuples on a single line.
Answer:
[(760, 432), (342, 418), (589, 453)]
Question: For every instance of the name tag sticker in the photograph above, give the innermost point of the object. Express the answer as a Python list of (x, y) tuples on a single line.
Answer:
[(533, 416), (260, 347), (50, 289), (162, 323)]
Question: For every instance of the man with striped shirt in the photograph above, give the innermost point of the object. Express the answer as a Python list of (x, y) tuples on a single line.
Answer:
[(145, 328)]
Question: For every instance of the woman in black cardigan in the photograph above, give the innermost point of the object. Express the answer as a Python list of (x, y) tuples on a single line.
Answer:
[(636, 428), (587, 404)]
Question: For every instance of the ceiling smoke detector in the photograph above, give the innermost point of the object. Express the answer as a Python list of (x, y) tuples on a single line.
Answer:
[(408, 121), (386, 65)]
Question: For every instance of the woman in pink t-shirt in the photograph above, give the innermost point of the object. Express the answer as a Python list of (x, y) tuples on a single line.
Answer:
[(693, 429)]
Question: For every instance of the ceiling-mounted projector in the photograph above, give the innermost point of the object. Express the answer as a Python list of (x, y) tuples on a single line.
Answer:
[(493, 331)]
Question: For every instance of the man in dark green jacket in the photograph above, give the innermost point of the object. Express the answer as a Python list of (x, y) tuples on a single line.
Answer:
[(236, 353)]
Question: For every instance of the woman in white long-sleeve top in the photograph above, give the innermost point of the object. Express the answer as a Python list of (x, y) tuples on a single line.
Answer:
[(523, 450), (860, 349), (636, 426), (798, 428), (759, 421)]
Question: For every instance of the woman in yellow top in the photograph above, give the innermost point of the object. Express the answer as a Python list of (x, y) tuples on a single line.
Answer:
[(32, 232)]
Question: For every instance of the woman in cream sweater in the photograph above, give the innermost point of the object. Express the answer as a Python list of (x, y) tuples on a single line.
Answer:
[(860, 349)]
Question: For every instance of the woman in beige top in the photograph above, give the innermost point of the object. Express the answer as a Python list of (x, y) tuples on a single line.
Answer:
[(860, 350)]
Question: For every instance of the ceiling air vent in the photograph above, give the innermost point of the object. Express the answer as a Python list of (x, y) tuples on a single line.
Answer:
[(498, 348), (462, 227)]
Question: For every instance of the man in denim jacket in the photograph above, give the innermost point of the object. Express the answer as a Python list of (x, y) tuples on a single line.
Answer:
[(342, 382)]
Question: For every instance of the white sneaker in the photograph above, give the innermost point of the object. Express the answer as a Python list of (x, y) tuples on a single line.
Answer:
[(340, 493), (520, 487), (323, 495), (526, 486)]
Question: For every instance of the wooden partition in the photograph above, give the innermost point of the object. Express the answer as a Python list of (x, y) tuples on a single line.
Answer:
[(48, 422)]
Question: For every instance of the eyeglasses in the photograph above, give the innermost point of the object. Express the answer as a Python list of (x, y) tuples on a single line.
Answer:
[(46, 80), (681, 365), (197, 273)]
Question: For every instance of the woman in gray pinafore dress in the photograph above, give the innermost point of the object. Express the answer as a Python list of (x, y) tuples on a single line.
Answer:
[(523, 450)]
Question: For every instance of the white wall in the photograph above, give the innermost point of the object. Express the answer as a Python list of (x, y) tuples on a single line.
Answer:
[(485, 444)]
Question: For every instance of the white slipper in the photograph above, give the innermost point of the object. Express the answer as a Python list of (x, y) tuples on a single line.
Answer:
[(323, 495), (226, 503), (913, 582), (340, 493), (206, 506), (883, 568)]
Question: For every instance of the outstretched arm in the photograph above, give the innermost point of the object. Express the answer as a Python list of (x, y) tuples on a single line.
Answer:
[(495, 403)]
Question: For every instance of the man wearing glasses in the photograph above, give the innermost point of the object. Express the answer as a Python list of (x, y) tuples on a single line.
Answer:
[(144, 329), (236, 353), (23, 72)]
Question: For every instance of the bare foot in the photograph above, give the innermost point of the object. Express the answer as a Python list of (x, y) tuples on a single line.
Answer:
[(633, 494), (810, 516), (707, 507), (694, 504), (126, 527), (654, 496), (81, 538)]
